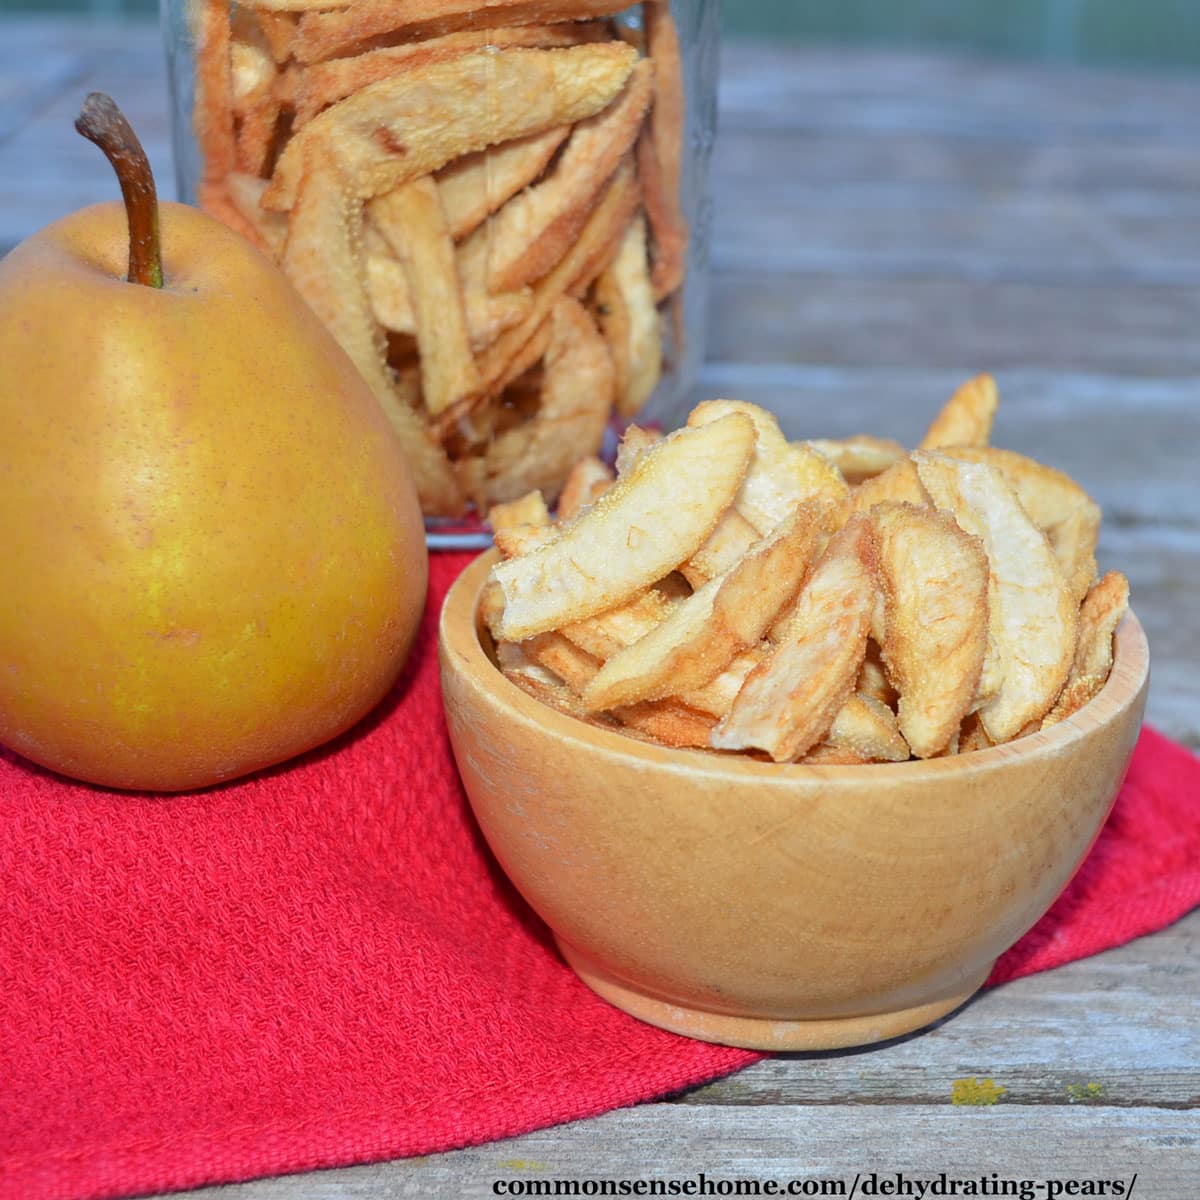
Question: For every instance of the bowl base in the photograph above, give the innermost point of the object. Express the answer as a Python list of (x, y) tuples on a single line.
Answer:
[(763, 1033)]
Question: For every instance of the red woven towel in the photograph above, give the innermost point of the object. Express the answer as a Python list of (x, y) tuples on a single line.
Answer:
[(322, 966)]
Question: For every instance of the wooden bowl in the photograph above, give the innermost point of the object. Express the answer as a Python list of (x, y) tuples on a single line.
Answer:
[(778, 907)]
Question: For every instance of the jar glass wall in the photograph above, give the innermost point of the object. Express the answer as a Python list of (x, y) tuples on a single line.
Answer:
[(499, 210)]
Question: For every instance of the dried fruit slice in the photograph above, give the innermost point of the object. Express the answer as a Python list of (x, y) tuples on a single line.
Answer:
[(732, 538), (589, 256), (872, 677), (586, 482), (533, 231), (520, 525), (788, 703), (555, 653), (212, 114), (297, 6), (966, 419), (660, 150), (539, 682), (630, 320), (325, 83), (868, 728), (1073, 541), (972, 736), (215, 199), (782, 474), (322, 259), (269, 229), (992, 676), (635, 441), (487, 316), (1099, 616), (474, 186), (636, 533), (544, 687), (479, 422), (1102, 611), (934, 579), (1032, 616), (861, 456), (410, 218), (577, 396), (256, 104), (328, 34), (703, 633), (825, 755), (1056, 504), (609, 632), (413, 123), (900, 483), (279, 28), (667, 722), (717, 696)]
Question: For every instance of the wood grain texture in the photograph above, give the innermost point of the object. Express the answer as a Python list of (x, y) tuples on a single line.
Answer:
[(828, 1142), (1025, 1035), (944, 322), (788, 87), (916, 205), (886, 223)]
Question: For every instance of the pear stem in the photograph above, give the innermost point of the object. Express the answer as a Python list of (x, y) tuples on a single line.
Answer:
[(102, 122)]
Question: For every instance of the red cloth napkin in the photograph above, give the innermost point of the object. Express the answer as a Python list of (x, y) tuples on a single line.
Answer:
[(322, 965)]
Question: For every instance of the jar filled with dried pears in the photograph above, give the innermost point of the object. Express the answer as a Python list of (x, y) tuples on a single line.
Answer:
[(499, 209)]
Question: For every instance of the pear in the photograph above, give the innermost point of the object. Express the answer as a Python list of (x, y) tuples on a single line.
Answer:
[(211, 552)]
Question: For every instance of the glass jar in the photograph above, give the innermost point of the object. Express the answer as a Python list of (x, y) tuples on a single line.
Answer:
[(499, 209)]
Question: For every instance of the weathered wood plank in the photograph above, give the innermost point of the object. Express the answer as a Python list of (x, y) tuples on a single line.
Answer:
[(816, 168), (886, 93), (952, 323), (1163, 566), (874, 170), (1061, 245), (785, 220), (835, 1144), (1139, 1046)]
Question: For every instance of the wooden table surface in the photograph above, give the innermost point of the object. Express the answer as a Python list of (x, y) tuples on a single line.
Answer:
[(886, 224)]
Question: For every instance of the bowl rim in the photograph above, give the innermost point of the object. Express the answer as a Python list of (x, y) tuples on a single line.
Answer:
[(458, 638)]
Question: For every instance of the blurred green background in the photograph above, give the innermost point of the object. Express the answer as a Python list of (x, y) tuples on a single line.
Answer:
[(1132, 31)]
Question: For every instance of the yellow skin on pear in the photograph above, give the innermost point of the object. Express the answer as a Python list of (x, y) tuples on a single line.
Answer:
[(211, 553)]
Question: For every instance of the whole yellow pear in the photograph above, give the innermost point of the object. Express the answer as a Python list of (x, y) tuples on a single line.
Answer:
[(211, 553)]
